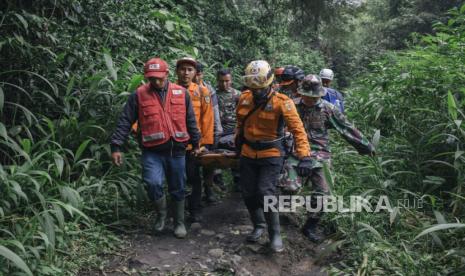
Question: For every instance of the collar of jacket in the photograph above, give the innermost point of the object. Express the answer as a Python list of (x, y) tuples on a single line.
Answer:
[(178, 83), (318, 104), (230, 90)]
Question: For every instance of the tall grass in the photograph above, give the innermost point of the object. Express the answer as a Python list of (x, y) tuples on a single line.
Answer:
[(66, 69), (415, 98)]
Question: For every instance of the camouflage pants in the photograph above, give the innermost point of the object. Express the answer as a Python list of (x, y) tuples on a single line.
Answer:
[(290, 182), (319, 187)]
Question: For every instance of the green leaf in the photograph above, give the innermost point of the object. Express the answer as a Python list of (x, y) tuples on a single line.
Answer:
[(26, 144), (110, 66), (59, 214), (51, 127), (438, 227), (369, 228), (169, 26), (439, 217), (375, 140), (81, 149), (451, 105), (160, 14), (135, 82), (72, 210), (19, 263), (48, 224), (17, 188), (3, 131), (2, 99), (70, 85), (23, 21), (59, 162), (462, 9)]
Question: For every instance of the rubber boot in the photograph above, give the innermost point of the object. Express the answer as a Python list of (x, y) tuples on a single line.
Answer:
[(276, 243), (236, 183), (310, 230), (258, 219), (218, 180), (179, 228), (195, 216), (210, 195), (160, 205)]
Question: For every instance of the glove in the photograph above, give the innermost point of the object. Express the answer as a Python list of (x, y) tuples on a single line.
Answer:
[(305, 166)]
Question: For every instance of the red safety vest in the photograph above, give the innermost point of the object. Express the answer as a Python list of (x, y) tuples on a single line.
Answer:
[(159, 122)]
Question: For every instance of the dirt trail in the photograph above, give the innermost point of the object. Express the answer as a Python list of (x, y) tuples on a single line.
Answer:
[(215, 247)]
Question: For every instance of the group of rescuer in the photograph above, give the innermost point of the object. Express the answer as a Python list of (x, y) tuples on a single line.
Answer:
[(178, 122)]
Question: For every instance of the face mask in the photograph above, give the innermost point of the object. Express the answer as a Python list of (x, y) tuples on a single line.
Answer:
[(260, 95)]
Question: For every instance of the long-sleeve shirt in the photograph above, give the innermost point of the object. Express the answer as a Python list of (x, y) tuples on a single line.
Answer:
[(335, 97), (218, 130), (323, 116), (227, 102), (204, 113), (130, 115)]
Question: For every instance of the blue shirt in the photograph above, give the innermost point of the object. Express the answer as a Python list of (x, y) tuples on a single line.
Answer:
[(335, 97)]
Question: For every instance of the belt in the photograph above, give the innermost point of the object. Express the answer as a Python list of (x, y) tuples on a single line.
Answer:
[(264, 145)]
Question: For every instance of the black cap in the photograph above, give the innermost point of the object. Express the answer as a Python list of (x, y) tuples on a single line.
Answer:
[(292, 73), (199, 67)]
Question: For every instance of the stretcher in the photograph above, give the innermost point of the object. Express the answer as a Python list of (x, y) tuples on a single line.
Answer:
[(219, 159)]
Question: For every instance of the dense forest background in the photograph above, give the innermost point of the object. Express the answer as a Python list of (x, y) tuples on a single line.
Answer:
[(67, 66)]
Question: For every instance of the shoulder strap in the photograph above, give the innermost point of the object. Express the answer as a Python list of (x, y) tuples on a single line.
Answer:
[(256, 108)]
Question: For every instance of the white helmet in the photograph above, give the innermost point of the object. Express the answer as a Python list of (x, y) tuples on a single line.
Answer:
[(258, 74), (327, 74)]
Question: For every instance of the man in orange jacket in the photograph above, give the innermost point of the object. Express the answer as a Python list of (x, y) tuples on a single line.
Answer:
[(203, 109), (208, 173), (262, 114)]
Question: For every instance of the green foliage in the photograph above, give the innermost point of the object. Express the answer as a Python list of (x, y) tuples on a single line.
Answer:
[(415, 98), (67, 67)]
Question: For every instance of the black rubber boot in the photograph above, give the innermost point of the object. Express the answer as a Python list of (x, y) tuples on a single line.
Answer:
[(210, 196), (310, 230), (257, 217), (160, 206), (276, 243), (179, 227), (195, 216), (236, 183), (218, 180)]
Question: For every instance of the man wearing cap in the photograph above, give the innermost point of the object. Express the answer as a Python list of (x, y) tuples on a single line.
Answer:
[(332, 95), (186, 69), (167, 124), (318, 116), (290, 80), (209, 173)]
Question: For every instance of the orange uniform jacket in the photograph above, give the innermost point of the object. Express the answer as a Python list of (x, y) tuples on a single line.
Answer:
[(203, 109), (263, 124)]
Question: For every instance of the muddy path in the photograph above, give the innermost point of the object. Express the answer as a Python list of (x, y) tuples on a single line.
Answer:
[(215, 247)]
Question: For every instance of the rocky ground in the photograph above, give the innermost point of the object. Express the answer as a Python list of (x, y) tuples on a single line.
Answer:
[(215, 247)]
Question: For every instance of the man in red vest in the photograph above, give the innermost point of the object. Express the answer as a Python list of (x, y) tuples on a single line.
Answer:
[(167, 124)]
